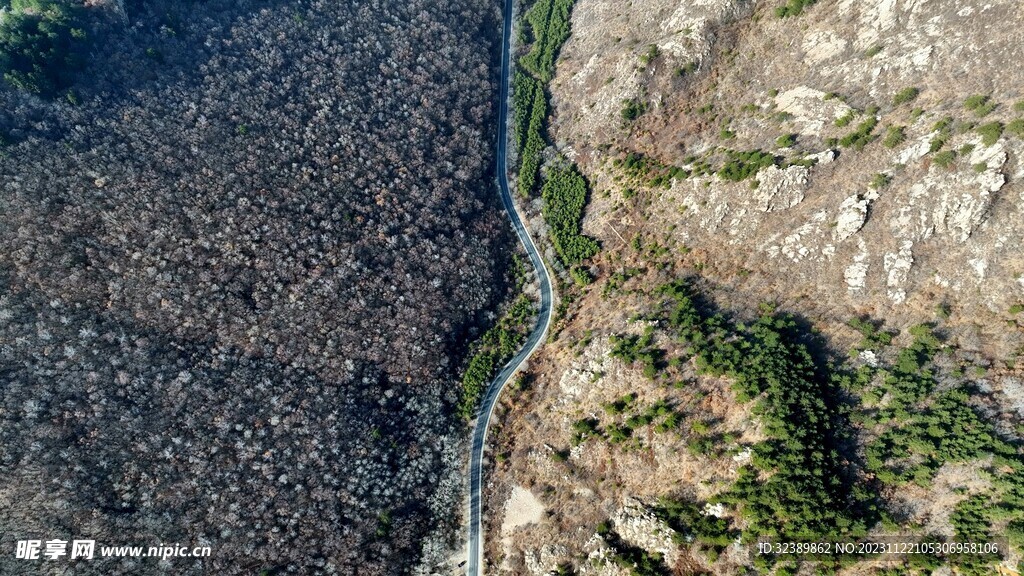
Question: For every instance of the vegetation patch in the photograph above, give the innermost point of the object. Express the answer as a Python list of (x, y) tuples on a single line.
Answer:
[(742, 165), (945, 159), (565, 197), (786, 141), (879, 181), (1016, 128), (990, 133), (632, 109), (845, 120), (793, 8), (905, 95), (797, 487), (549, 24), (634, 348), (496, 347), (651, 171), (980, 104), (862, 135), (530, 113), (43, 44), (894, 136)]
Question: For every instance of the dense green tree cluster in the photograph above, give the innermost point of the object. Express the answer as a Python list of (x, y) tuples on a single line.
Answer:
[(493, 349), (922, 432), (42, 44), (565, 197), (910, 378), (545, 29), (633, 348), (549, 25), (797, 487), (530, 113), (919, 443), (564, 190), (741, 165)]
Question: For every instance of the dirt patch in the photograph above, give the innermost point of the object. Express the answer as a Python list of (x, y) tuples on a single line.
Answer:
[(521, 509)]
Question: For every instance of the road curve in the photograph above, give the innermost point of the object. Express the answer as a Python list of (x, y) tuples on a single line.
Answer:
[(476, 467)]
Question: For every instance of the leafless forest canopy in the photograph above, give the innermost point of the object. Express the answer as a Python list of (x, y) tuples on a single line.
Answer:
[(237, 271)]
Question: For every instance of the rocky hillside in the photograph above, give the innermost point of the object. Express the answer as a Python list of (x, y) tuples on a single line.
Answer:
[(858, 165), (939, 226)]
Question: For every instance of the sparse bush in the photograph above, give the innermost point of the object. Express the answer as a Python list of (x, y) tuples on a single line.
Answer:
[(944, 159), (980, 104), (905, 95), (743, 165), (786, 141), (845, 120), (650, 55), (880, 180), (894, 136), (583, 429), (617, 434), (862, 136), (873, 51), (1016, 127), (793, 8), (581, 276), (632, 109), (873, 336), (990, 132), (632, 348)]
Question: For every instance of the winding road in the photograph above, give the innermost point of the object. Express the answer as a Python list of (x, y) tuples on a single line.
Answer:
[(476, 465)]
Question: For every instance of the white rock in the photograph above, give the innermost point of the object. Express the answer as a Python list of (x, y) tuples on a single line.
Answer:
[(868, 357), (811, 112), (853, 212), (824, 157), (716, 510), (780, 189), (636, 524), (823, 45), (898, 265)]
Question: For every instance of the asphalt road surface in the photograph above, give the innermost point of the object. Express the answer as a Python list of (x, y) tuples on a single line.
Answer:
[(476, 467)]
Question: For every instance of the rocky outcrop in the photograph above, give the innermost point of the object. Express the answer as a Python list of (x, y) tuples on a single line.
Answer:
[(637, 524)]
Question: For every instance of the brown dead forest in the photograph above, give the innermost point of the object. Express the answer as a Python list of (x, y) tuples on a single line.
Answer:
[(240, 262)]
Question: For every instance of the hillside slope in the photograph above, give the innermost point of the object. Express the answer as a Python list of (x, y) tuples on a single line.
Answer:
[(840, 187)]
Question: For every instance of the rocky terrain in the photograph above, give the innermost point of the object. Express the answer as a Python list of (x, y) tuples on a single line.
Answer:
[(854, 160)]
